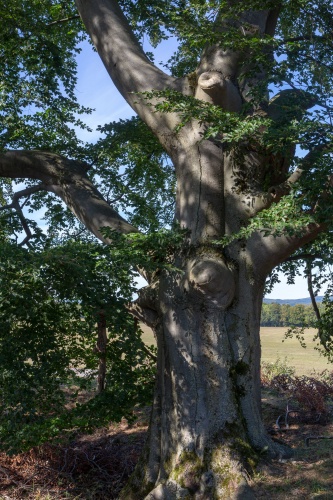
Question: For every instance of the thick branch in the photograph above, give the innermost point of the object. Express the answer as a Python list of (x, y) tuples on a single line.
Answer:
[(226, 61), (67, 179), (214, 88), (274, 250), (269, 251), (275, 193), (303, 256), (290, 102), (123, 57), (145, 307), (147, 316)]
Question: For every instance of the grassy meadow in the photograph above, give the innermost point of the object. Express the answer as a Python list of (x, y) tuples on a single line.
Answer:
[(305, 360)]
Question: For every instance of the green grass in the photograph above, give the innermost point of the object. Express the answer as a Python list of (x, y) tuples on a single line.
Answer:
[(305, 360), (148, 336)]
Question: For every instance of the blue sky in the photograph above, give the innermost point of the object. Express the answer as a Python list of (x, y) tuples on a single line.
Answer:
[(96, 90)]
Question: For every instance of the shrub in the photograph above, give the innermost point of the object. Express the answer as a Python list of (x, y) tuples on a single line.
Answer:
[(312, 398), (271, 370)]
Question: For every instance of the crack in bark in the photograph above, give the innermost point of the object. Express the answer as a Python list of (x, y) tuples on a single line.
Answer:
[(196, 389), (200, 188)]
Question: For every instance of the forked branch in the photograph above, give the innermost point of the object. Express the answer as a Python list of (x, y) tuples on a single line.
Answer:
[(276, 193), (15, 205)]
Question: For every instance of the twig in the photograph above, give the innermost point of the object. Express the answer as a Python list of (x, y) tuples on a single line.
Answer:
[(304, 38), (149, 353), (316, 437), (64, 20)]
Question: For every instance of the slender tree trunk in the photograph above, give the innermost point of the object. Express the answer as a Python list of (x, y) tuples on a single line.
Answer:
[(206, 429), (101, 350)]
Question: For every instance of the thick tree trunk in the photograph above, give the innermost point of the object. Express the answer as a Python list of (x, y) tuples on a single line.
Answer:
[(206, 429)]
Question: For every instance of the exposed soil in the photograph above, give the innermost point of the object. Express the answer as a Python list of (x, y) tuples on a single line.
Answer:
[(97, 466)]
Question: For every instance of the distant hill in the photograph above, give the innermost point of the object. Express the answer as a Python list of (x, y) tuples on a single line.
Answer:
[(293, 302)]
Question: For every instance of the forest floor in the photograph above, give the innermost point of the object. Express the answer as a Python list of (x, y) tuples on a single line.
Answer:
[(95, 467), (309, 473)]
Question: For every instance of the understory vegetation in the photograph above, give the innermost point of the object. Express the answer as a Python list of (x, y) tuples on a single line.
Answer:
[(297, 410)]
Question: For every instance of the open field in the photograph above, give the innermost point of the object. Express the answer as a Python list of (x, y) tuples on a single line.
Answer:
[(305, 360)]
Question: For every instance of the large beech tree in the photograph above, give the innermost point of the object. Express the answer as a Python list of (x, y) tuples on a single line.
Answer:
[(239, 122)]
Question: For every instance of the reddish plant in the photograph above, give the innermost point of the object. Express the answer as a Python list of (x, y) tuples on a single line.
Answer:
[(312, 398)]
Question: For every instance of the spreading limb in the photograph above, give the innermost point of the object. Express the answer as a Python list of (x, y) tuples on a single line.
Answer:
[(269, 251), (127, 64), (275, 193), (145, 307), (290, 103), (67, 179)]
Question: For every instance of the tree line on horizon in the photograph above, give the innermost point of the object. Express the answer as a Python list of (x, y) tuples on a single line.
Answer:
[(300, 315)]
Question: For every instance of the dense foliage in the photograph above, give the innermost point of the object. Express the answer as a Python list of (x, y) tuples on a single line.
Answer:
[(49, 309)]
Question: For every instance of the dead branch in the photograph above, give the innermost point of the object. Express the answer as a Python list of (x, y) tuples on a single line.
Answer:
[(307, 440), (64, 20)]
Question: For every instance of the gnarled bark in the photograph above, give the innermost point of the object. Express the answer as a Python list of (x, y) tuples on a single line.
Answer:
[(206, 431)]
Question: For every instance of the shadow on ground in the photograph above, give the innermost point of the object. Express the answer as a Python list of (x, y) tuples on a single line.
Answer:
[(96, 467)]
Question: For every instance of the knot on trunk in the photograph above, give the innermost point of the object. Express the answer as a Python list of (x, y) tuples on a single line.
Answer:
[(213, 278), (145, 308), (215, 88)]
